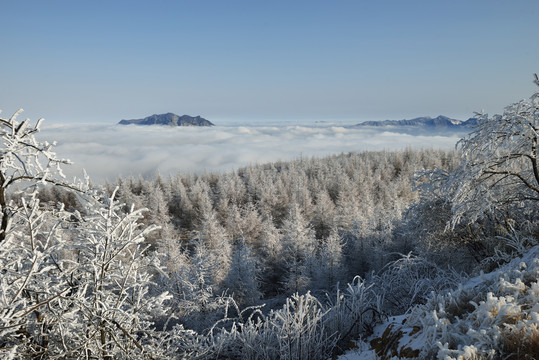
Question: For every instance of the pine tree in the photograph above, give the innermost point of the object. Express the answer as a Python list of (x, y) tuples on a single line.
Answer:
[(213, 236), (324, 211), (242, 281), (330, 262), (299, 251)]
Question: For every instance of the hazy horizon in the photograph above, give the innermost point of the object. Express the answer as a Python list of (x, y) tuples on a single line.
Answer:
[(107, 151)]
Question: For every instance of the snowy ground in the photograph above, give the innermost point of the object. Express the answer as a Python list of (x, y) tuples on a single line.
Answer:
[(475, 319), (361, 353), (364, 350)]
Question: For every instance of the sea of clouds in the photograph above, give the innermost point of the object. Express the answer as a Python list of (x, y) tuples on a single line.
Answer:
[(109, 151)]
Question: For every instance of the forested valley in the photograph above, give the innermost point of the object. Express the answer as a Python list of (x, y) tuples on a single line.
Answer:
[(285, 260)]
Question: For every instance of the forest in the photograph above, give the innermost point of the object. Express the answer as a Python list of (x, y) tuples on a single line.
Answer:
[(284, 260)]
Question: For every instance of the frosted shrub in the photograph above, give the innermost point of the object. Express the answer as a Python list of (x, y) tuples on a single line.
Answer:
[(514, 243), (26, 164), (496, 313), (304, 328), (409, 281), (72, 285), (297, 331), (300, 329), (35, 283), (114, 275), (353, 312), (33, 286)]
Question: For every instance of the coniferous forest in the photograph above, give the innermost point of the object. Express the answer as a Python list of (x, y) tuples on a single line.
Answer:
[(286, 260)]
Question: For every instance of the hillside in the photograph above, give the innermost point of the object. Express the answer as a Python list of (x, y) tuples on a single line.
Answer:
[(484, 315)]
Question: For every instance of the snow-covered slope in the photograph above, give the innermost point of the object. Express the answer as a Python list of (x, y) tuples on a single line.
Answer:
[(491, 315)]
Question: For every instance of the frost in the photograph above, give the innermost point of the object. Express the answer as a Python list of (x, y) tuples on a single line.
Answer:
[(489, 325)]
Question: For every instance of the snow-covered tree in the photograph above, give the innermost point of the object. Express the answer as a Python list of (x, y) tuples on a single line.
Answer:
[(244, 223), (201, 198), (25, 163), (126, 196), (270, 254), (74, 284), (324, 212), (114, 313), (32, 240), (243, 279), (201, 279), (180, 206), (34, 281), (199, 299), (347, 207), (500, 163), (330, 269), (299, 246), (213, 236), (155, 200)]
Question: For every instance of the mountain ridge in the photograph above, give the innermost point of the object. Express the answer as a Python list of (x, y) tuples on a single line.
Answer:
[(438, 122), (169, 119)]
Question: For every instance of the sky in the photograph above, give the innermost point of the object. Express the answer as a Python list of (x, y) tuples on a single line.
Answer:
[(99, 61)]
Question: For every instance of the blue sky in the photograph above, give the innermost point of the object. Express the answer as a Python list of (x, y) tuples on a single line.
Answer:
[(103, 61)]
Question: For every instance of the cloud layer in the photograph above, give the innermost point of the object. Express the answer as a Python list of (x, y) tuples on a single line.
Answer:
[(107, 152)]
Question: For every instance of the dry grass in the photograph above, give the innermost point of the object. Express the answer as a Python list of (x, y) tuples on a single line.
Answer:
[(522, 344)]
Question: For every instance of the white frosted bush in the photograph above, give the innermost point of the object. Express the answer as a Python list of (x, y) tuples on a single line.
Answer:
[(495, 313)]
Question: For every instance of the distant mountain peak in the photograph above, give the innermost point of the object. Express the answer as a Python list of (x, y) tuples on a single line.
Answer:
[(169, 119), (425, 122)]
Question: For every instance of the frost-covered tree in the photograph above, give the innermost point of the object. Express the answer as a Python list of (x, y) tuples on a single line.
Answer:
[(330, 261), (34, 281), (230, 190), (114, 315), (200, 278), (324, 212), (500, 163), (243, 279), (299, 246), (213, 236), (74, 284), (158, 214), (199, 297), (25, 163), (270, 254), (126, 196), (201, 198), (347, 207), (155, 198), (32, 241), (233, 221), (180, 206)]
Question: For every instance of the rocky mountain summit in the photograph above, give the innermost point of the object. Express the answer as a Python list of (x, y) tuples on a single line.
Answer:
[(169, 119)]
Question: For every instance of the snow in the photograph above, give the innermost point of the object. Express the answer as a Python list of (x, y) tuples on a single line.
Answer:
[(472, 321), (363, 352)]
